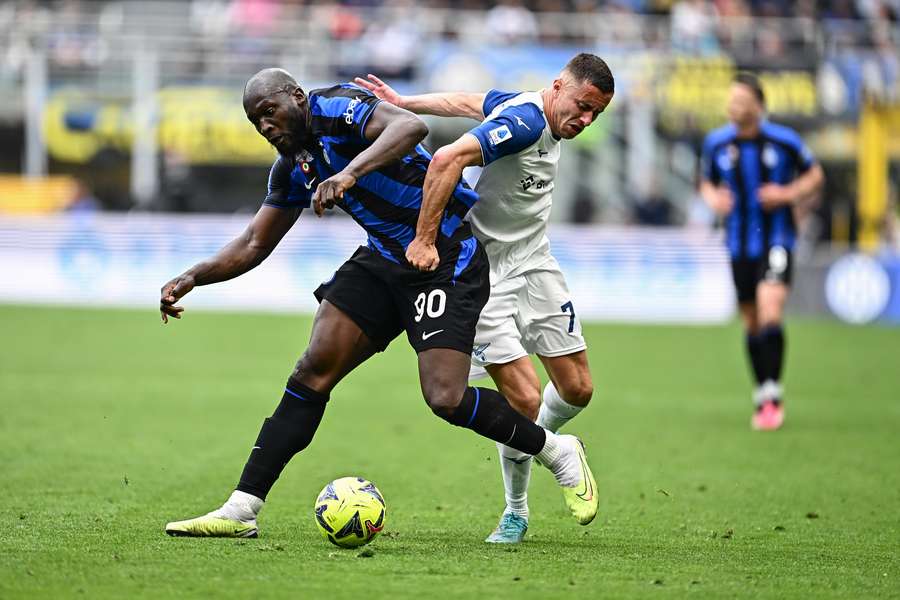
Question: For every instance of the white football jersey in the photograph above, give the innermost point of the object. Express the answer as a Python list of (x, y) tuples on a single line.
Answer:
[(516, 183)]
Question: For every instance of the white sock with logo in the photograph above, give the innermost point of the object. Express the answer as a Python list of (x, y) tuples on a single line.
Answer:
[(516, 469), (555, 412), (240, 506)]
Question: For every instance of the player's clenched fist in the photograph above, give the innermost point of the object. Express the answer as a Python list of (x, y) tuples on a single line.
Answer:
[(171, 293), (331, 190), (722, 201), (422, 255)]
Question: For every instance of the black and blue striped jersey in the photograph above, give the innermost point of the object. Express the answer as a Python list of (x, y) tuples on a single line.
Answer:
[(385, 202), (776, 155)]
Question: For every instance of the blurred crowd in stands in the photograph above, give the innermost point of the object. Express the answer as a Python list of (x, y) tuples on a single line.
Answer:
[(766, 32)]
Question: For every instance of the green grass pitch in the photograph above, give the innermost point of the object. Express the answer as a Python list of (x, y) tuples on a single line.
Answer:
[(112, 424)]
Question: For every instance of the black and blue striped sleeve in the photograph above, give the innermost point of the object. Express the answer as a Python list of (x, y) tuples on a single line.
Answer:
[(283, 191), (345, 111)]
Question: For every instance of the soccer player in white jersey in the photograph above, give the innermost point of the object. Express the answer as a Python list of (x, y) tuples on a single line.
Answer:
[(530, 310)]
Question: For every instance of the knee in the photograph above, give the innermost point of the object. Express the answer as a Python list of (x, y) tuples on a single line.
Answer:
[(443, 401), (768, 318), (313, 373), (578, 392)]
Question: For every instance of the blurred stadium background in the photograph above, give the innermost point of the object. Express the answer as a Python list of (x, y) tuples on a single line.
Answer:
[(126, 156)]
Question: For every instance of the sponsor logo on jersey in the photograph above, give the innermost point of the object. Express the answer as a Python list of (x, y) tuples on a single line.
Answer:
[(499, 135), (348, 114), (522, 123), (532, 182)]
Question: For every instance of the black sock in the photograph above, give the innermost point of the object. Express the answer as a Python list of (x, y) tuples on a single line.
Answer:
[(289, 430), (772, 337), (487, 413), (757, 361)]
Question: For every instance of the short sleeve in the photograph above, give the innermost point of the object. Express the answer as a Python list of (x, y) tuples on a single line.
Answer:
[(805, 157), (708, 168), (345, 113), (510, 132), (494, 98), (288, 187)]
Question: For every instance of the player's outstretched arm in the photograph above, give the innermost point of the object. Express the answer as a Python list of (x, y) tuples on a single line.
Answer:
[(239, 256), (441, 179), (450, 104), (394, 133)]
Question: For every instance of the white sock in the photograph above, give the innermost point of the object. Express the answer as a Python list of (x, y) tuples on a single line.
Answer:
[(551, 451), (516, 469), (759, 395), (559, 456), (240, 506), (771, 389), (555, 412)]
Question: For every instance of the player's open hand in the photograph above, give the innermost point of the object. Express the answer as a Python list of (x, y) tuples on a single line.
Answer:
[(331, 190), (772, 196), (171, 293), (380, 89), (422, 255), (722, 202)]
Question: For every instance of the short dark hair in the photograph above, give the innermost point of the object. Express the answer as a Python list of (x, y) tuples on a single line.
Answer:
[(752, 82), (587, 67)]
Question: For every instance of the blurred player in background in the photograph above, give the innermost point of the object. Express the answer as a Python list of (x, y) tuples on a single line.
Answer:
[(342, 146), (754, 173), (530, 310)]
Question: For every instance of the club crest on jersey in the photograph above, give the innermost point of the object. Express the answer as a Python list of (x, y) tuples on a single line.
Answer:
[(769, 156), (727, 159), (499, 135)]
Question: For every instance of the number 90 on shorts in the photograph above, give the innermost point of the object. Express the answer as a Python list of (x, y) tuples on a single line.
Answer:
[(431, 304)]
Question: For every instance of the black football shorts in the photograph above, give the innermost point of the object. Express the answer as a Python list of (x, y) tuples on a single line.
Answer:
[(437, 309), (776, 265)]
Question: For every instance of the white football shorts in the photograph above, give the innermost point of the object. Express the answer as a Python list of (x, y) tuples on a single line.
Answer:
[(530, 312)]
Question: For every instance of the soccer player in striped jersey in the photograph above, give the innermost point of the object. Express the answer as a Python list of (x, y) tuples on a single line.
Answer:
[(754, 173), (530, 310), (342, 146)]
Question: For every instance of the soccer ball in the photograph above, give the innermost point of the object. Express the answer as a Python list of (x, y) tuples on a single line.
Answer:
[(350, 512)]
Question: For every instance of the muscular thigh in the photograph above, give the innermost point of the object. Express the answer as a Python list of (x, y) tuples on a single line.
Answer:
[(337, 345)]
